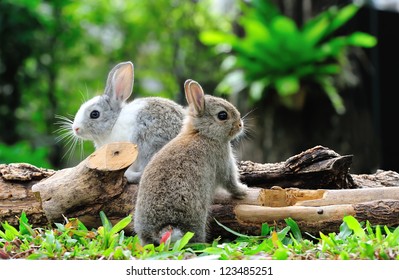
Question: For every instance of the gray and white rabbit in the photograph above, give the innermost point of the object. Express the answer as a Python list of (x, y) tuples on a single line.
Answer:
[(148, 122), (178, 185)]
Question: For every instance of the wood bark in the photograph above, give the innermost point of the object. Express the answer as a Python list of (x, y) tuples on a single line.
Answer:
[(293, 188)]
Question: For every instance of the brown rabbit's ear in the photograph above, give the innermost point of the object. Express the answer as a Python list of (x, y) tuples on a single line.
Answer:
[(120, 81), (195, 96)]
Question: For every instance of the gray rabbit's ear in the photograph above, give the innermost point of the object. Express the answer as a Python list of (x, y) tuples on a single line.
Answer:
[(120, 81), (195, 96), (186, 83)]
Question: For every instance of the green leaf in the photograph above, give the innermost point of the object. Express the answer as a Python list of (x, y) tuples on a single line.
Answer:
[(287, 85), (3, 235), (327, 239), (265, 229), (361, 39), (179, 245), (281, 254), (24, 227), (354, 225), (81, 226), (231, 231), (314, 30), (378, 233), (294, 228), (344, 231), (216, 37), (105, 222), (343, 16), (121, 224), (283, 233), (10, 231), (284, 26)]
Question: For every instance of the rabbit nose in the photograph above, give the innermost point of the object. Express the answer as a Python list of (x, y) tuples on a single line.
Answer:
[(76, 129)]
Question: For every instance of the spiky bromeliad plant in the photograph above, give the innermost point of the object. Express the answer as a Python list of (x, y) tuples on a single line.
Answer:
[(275, 53)]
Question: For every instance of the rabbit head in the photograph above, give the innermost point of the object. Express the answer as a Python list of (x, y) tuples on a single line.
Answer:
[(211, 116), (96, 117)]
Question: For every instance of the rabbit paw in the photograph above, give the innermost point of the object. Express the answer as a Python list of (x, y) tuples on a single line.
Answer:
[(133, 177), (240, 191)]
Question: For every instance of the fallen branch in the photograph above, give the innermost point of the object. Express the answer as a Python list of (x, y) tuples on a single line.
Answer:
[(97, 184)]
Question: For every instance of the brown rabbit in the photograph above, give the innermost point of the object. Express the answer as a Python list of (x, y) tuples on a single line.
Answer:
[(178, 185)]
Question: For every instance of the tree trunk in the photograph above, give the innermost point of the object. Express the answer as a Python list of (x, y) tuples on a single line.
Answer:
[(97, 183)]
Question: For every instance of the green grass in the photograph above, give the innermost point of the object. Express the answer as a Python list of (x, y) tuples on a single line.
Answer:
[(72, 240)]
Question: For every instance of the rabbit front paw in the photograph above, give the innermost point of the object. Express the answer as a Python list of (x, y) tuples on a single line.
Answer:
[(133, 177), (240, 191)]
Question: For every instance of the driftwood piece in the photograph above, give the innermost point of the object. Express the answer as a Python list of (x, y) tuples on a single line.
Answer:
[(104, 188), (316, 168), (86, 188), (16, 195)]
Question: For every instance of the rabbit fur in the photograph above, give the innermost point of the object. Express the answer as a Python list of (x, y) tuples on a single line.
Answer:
[(148, 122), (177, 186)]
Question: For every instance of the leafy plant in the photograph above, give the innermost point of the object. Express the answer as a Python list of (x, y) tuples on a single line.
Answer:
[(275, 53), (73, 240)]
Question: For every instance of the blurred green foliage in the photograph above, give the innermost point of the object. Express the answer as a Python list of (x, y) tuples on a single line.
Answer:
[(275, 53), (56, 54)]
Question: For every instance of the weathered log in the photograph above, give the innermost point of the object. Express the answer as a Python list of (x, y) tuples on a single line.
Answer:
[(16, 194), (316, 219), (316, 168), (278, 197), (106, 189), (90, 186)]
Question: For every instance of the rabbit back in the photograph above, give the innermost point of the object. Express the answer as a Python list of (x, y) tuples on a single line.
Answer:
[(150, 123)]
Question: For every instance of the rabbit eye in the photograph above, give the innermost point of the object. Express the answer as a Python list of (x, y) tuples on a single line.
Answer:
[(222, 115), (94, 114)]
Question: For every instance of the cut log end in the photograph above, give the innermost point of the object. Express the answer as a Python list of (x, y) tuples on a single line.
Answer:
[(112, 157)]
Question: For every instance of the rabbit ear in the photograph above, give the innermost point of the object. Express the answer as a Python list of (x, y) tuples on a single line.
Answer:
[(195, 96), (120, 81), (186, 90)]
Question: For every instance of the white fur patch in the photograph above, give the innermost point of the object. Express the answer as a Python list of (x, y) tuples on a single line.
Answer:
[(125, 126), (80, 115)]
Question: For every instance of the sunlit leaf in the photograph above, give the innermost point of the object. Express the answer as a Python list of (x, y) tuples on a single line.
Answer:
[(216, 37), (230, 230), (281, 254), (179, 245), (344, 231), (121, 224), (343, 15), (287, 85), (284, 26), (361, 39), (354, 225)]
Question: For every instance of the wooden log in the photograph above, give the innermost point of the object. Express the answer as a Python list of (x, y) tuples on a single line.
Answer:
[(315, 168), (313, 220), (104, 188), (16, 194), (90, 185), (278, 197)]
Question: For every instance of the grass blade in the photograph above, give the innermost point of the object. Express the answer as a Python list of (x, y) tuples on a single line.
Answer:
[(232, 231)]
